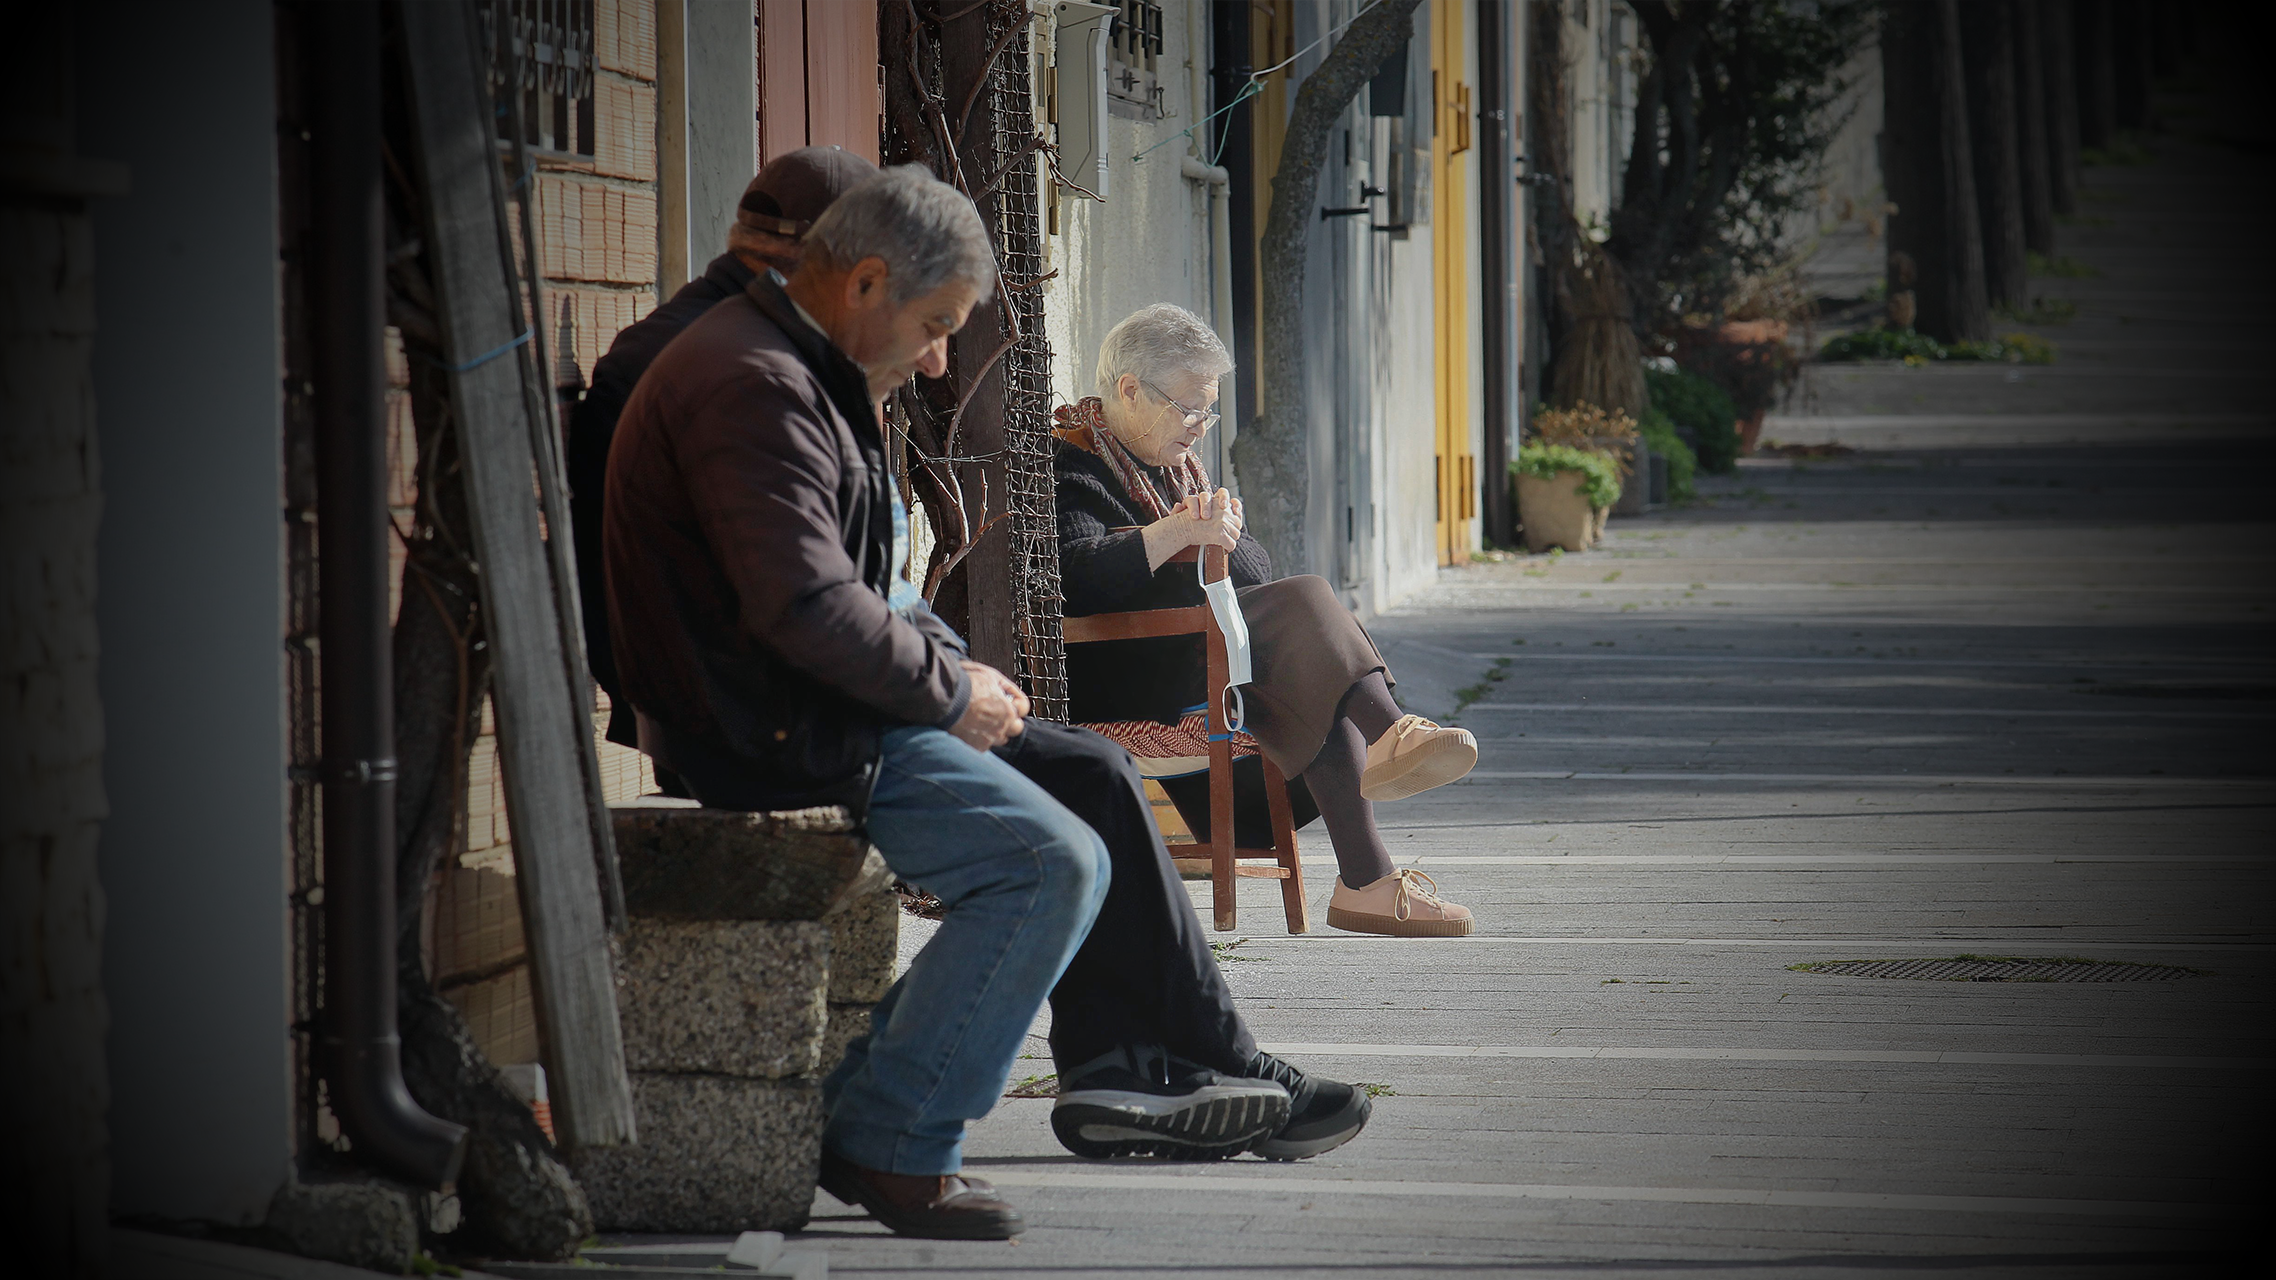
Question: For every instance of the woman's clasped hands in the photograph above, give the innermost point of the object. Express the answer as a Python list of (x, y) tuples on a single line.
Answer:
[(1199, 520)]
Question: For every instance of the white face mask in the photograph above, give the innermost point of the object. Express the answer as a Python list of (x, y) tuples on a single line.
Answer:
[(1238, 666)]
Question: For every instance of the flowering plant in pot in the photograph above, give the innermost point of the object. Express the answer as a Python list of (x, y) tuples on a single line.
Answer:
[(1562, 493), (1571, 471), (1749, 360)]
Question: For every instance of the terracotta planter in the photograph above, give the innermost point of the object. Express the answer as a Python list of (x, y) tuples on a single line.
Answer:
[(1555, 512), (1750, 431)]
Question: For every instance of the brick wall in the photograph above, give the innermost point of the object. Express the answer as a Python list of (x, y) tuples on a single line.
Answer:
[(597, 219)]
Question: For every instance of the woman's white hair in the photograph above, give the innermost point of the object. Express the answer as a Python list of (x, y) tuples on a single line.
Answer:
[(1158, 343), (927, 232)]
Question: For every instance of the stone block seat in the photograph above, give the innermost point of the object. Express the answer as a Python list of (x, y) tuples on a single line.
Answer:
[(757, 945)]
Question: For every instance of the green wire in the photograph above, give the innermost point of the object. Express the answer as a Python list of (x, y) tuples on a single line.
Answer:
[(1248, 91)]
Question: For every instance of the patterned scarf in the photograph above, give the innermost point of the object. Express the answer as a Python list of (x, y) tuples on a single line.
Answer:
[(1083, 425)]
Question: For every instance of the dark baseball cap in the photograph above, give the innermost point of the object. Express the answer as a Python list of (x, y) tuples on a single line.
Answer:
[(794, 188)]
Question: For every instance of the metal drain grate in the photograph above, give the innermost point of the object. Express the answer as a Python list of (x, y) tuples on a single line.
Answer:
[(2001, 969)]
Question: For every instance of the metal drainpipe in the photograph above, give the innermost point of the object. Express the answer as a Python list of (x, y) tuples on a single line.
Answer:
[(347, 303), (1497, 190), (1216, 180)]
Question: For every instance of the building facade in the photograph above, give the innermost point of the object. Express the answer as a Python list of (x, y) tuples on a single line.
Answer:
[(644, 126)]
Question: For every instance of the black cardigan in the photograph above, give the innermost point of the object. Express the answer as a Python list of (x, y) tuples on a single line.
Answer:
[(1102, 569)]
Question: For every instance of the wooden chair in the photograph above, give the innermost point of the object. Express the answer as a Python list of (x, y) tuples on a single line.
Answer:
[(1224, 861)]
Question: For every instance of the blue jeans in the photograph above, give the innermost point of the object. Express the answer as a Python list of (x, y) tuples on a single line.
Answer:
[(1022, 879)]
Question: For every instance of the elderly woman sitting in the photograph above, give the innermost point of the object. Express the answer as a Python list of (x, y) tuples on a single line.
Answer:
[(1131, 494)]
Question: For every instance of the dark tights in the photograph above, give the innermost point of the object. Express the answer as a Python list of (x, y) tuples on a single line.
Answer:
[(1367, 713)]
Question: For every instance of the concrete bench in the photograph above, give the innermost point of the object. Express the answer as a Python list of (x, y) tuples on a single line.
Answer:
[(758, 944)]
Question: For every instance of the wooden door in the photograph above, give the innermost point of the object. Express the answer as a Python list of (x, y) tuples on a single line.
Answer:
[(1449, 234), (817, 76)]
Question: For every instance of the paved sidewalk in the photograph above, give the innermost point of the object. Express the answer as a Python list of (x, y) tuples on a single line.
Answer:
[(1956, 694), (1905, 705)]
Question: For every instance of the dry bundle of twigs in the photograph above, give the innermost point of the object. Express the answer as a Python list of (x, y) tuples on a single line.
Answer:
[(1600, 362), (1590, 427)]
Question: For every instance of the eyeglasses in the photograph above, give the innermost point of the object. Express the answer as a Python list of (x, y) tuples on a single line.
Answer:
[(1201, 418)]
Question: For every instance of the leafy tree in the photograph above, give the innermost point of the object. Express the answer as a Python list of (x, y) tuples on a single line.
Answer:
[(1735, 106)]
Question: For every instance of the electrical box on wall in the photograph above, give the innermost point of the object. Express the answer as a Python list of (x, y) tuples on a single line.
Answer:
[(1079, 91), (1133, 52)]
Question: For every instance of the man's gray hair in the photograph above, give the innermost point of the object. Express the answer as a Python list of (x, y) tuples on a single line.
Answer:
[(927, 232), (1158, 343)]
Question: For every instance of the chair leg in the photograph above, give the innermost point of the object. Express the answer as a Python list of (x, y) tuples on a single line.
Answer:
[(1284, 845), (1224, 897)]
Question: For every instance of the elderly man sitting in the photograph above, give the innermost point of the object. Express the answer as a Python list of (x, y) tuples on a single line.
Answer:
[(779, 657), (750, 560)]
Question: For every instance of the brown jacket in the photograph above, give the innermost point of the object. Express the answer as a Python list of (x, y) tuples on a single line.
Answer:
[(748, 539)]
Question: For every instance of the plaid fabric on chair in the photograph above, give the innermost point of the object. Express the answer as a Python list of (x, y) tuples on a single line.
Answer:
[(1169, 750)]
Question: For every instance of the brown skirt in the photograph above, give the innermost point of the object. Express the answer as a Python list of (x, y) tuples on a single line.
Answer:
[(1306, 652)]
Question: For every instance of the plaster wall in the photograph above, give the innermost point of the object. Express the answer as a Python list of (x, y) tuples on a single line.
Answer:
[(707, 100), (1404, 462), (1370, 346), (190, 557), (1600, 40), (1148, 242), (1369, 355), (1403, 372), (1839, 238), (1851, 174)]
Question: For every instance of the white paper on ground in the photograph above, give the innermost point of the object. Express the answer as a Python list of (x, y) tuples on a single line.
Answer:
[(756, 1249)]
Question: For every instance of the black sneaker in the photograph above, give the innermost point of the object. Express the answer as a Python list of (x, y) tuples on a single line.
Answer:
[(1140, 1101), (1323, 1114)]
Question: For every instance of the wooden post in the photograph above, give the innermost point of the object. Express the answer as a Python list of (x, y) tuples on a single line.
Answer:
[(539, 718), (1224, 841), (988, 624)]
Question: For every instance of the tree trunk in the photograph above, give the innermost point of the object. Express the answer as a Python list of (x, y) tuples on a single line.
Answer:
[(2033, 154), (2058, 63), (2130, 53), (2097, 75), (1931, 175), (1987, 49), (1548, 106), (2169, 35), (1272, 456)]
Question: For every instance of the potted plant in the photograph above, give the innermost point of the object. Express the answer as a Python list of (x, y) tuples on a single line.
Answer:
[(1659, 434), (1562, 495)]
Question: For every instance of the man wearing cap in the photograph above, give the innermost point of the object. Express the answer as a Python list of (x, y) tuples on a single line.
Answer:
[(1153, 1056), (777, 208)]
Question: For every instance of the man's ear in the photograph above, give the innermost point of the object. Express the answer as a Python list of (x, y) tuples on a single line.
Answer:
[(865, 284)]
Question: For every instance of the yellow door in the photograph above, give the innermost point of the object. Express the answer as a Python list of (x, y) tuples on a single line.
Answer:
[(1449, 238)]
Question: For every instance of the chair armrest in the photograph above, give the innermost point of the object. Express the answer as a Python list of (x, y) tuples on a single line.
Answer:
[(1214, 561), (1143, 624)]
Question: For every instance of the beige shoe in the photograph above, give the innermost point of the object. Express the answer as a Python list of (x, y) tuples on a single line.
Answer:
[(1416, 755), (1404, 904)]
